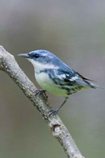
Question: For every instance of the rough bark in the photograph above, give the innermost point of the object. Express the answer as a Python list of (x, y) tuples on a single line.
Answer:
[(9, 65)]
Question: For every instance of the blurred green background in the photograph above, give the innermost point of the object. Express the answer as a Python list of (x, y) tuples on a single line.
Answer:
[(75, 31)]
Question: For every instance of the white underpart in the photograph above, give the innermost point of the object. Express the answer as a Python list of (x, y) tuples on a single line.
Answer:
[(41, 66), (43, 78), (46, 83)]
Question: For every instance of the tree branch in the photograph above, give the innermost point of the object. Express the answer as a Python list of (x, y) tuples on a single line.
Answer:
[(9, 65)]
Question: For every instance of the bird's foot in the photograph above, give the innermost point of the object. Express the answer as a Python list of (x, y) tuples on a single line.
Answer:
[(41, 92), (56, 110), (53, 112)]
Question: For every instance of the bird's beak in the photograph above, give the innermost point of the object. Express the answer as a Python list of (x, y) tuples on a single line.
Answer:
[(24, 55)]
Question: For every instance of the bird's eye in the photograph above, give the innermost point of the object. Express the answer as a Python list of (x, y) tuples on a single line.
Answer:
[(36, 55)]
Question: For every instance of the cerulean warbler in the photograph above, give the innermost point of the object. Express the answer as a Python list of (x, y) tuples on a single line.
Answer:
[(54, 76)]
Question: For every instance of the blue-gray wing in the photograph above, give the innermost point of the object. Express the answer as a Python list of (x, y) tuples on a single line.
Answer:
[(70, 80), (66, 75)]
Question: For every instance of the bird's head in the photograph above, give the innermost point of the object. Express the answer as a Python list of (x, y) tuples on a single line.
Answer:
[(40, 59)]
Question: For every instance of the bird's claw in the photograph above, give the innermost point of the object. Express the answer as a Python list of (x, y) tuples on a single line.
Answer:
[(41, 92), (53, 112)]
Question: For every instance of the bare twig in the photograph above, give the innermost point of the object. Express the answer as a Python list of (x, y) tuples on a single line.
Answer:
[(10, 66)]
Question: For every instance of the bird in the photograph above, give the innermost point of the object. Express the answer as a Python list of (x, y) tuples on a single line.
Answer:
[(55, 76)]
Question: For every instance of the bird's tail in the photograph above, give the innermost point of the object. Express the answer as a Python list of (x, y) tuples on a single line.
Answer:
[(90, 83)]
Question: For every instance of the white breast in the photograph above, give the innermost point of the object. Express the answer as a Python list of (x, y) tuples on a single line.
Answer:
[(43, 79), (47, 84), (40, 66)]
